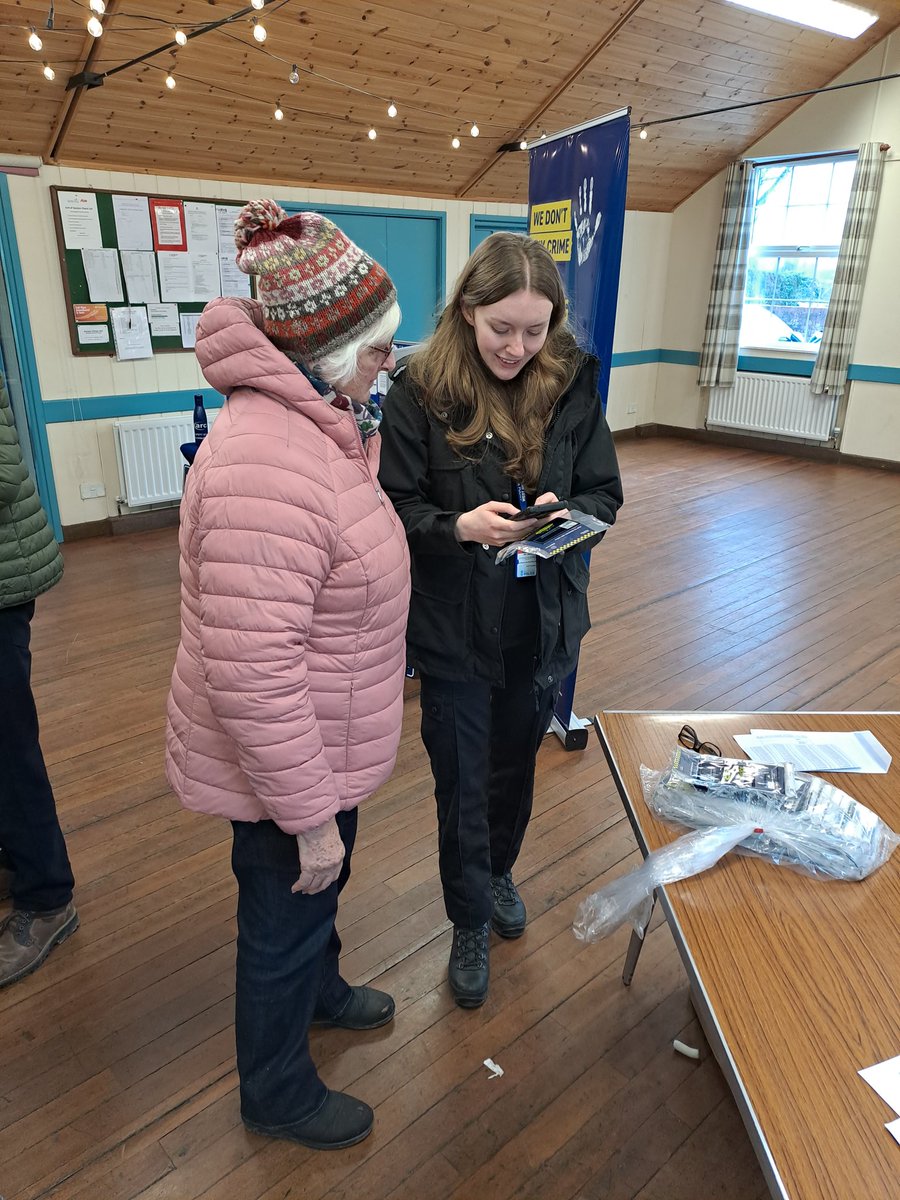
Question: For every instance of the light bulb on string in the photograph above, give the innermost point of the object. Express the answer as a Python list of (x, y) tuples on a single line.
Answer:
[(95, 29), (373, 134), (98, 7), (259, 31), (543, 134), (523, 145), (294, 76), (392, 109), (34, 40), (257, 4), (454, 142), (278, 114), (642, 134), (180, 37), (170, 81), (49, 73), (474, 130)]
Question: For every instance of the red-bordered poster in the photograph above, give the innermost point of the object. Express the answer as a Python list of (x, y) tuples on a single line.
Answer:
[(167, 219)]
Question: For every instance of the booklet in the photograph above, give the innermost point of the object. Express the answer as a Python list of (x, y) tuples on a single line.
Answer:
[(556, 536)]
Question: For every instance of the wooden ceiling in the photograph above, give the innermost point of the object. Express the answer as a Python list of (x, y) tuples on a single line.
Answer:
[(518, 67)]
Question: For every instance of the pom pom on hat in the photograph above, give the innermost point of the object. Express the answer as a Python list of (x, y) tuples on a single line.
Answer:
[(258, 214), (319, 291)]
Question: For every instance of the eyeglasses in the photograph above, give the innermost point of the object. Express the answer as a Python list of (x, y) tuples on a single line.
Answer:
[(384, 351), (688, 738)]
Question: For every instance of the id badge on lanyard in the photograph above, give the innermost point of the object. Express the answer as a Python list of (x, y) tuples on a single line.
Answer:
[(526, 564)]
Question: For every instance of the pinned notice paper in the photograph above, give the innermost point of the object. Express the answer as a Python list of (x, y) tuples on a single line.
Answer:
[(858, 751), (131, 333)]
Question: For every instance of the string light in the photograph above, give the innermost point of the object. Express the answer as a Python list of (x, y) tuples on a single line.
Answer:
[(33, 40), (642, 134), (392, 109), (170, 81), (455, 143), (49, 73), (95, 29), (259, 31), (98, 7), (373, 134), (257, 4), (294, 76), (474, 130), (523, 145), (180, 37), (278, 114)]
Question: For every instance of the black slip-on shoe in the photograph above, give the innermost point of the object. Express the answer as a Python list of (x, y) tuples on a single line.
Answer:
[(367, 1008), (341, 1121)]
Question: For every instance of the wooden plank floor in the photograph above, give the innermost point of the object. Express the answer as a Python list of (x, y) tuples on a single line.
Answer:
[(733, 580)]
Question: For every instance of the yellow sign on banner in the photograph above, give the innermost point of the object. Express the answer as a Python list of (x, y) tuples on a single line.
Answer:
[(559, 245), (551, 218)]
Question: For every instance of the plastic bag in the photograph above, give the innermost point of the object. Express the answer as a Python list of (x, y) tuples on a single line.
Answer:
[(631, 895), (806, 823)]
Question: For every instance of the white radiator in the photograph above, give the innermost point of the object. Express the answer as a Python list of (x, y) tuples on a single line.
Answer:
[(773, 404), (151, 465)]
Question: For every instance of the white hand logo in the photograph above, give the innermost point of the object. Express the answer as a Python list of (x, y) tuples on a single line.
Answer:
[(584, 235)]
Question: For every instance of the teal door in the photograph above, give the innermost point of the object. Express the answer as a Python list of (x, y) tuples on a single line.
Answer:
[(409, 244), (482, 225)]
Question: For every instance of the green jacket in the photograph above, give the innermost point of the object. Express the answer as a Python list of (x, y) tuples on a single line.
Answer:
[(30, 561)]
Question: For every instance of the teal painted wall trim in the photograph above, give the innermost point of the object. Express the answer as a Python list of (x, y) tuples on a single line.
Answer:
[(99, 408), (140, 404), (40, 446)]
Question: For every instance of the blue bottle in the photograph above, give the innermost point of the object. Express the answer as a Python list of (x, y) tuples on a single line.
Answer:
[(201, 425)]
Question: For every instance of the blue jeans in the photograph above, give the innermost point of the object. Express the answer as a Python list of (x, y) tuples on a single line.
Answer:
[(30, 837), (287, 972)]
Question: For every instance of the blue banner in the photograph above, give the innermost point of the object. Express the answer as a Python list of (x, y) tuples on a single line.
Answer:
[(576, 208)]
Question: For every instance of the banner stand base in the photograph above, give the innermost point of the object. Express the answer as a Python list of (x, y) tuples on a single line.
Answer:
[(575, 737)]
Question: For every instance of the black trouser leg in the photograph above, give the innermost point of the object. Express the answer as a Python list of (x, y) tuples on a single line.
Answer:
[(482, 743), (287, 964), (29, 827)]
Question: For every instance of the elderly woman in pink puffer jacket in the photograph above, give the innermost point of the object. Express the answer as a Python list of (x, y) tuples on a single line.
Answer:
[(286, 699)]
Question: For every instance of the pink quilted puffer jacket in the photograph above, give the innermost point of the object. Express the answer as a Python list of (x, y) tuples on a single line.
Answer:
[(287, 692)]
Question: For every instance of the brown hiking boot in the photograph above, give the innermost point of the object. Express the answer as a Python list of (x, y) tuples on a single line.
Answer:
[(26, 938)]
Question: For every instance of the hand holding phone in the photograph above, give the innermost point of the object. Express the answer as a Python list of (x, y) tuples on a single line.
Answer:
[(540, 510)]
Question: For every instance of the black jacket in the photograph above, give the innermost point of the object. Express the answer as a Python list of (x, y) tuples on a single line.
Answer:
[(458, 591)]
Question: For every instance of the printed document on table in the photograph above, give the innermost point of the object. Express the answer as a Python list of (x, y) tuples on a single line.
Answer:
[(884, 1077), (858, 751)]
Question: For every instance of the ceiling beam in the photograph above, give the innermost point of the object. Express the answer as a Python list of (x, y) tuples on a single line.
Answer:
[(555, 94), (71, 98)]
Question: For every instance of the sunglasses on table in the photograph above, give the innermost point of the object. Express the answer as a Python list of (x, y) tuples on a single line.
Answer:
[(688, 738)]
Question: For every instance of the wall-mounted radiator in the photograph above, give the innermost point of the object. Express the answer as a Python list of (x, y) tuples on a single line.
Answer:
[(773, 404), (151, 465)]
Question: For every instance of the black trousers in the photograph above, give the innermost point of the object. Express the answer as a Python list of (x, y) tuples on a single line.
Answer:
[(483, 743), (288, 971), (31, 840)]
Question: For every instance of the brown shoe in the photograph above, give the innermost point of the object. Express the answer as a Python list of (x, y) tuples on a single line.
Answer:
[(6, 878), (26, 938)]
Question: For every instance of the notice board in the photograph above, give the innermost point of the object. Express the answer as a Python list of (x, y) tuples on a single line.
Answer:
[(157, 259)]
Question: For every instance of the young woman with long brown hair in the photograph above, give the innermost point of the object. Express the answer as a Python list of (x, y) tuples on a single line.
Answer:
[(498, 411)]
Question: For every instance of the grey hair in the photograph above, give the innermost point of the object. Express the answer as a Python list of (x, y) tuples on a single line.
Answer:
[(339, 367)]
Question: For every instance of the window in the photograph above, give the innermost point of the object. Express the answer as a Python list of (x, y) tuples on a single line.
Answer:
[(798, 219)]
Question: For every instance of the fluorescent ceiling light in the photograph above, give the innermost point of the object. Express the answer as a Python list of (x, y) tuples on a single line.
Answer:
[(832, 16)]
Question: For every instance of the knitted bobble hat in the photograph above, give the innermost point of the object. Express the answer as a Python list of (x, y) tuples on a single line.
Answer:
[(319, 291)]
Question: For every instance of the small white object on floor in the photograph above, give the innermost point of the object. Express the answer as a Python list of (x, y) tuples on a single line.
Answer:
[(687, 1051), (495, 1071)]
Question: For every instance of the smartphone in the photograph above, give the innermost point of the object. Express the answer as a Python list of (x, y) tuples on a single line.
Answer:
[(540, 510)]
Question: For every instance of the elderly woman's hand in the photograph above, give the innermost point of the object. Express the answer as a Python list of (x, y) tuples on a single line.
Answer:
[(321, 856)]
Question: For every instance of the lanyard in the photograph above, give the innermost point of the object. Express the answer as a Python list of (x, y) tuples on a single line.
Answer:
[(523, 499)]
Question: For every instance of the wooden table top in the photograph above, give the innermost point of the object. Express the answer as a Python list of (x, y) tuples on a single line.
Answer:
[(802, 975)]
